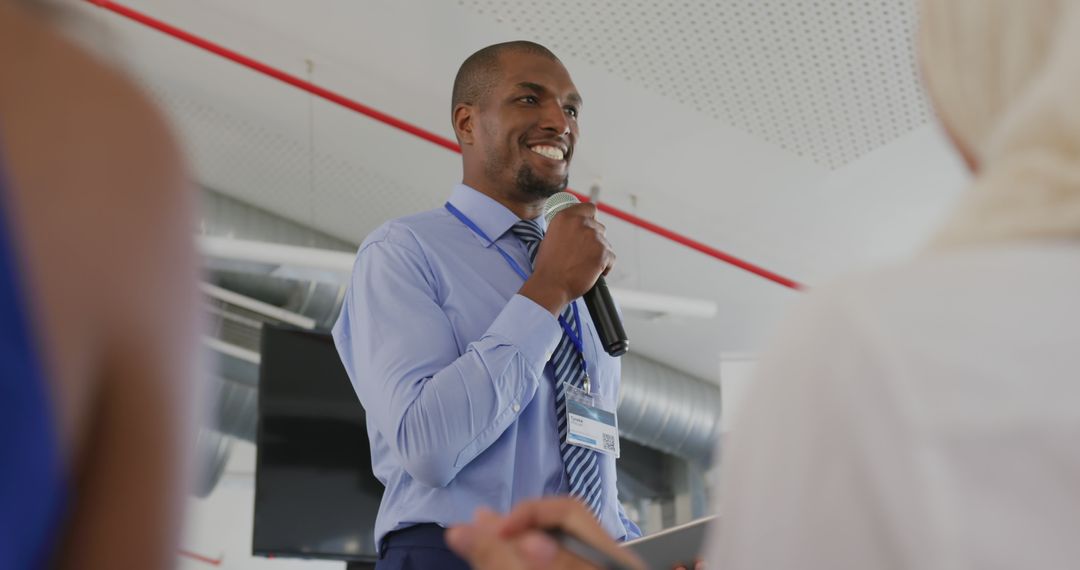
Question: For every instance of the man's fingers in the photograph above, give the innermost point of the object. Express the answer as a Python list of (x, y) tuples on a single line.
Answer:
[(538, 550), (486, 518), (460, 539), (470, 540), (586, 208), (611, 261), (483, 548), (569, 515)]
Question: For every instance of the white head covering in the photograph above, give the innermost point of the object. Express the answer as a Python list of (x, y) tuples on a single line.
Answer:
[(1004, 76)]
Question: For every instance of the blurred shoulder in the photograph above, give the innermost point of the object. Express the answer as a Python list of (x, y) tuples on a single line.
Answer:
[(76, 124)]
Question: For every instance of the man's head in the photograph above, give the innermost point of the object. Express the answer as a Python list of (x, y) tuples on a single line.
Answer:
[(514, 111)]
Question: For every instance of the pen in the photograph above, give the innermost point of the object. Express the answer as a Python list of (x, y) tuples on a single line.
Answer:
[(585, 551)]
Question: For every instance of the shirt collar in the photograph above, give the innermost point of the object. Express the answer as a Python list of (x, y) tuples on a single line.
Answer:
[(488, 214)]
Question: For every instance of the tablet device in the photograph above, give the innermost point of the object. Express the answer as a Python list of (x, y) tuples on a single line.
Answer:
[(671, 547)]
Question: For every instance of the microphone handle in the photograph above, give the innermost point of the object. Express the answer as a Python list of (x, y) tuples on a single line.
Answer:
[(606, 319)]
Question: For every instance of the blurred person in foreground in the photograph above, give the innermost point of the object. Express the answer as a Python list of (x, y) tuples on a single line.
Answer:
[(97, 291), (923, 415)]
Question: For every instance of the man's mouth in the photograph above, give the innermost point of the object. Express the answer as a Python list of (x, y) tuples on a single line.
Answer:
[(548, 151)]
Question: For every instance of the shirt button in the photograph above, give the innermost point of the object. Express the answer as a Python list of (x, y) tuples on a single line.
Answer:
[(516, 407)]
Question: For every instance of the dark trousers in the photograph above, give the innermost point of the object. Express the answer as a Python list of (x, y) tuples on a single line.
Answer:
[(419, 547)]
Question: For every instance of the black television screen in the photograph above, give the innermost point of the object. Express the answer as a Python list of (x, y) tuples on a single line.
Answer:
[(315, 495)]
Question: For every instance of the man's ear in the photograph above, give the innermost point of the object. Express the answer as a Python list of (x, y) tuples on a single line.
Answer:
[(464, 122)]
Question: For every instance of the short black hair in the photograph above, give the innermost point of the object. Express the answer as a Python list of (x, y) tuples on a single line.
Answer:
[(478, 72)]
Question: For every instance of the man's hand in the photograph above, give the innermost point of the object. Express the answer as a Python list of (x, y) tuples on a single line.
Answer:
[(518, 541), (572, 256)]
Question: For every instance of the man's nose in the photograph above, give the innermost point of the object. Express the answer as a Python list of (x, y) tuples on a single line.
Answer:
[(555, 120)]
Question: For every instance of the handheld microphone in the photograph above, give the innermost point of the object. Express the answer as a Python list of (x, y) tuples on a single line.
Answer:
[(598, 298)]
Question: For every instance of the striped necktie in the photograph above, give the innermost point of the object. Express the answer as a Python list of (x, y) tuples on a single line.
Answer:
[(582, 464)]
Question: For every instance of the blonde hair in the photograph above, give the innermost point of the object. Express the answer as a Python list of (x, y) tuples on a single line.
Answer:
[(1004, 76)]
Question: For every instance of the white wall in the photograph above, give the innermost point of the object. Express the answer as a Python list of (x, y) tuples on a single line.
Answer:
[(736, 376), (882, 207), (219, 526)]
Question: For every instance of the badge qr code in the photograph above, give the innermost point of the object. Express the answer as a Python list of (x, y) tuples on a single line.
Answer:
[(609, 442)]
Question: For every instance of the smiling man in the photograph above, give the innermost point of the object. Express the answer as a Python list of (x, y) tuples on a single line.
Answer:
[(463, 331)]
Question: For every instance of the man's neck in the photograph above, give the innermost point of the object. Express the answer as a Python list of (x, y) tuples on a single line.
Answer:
[(524, 208)]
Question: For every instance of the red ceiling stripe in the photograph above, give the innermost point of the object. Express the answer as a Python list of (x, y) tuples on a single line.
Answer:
[(423, 133)]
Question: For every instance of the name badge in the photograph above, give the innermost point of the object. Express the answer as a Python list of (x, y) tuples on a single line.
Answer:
[(588, 425)]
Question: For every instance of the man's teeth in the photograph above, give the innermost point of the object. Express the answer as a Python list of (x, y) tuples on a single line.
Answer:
[(548, 151)]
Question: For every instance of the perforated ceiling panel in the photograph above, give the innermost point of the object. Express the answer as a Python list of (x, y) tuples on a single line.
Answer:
[(829, 80), (337, 193)]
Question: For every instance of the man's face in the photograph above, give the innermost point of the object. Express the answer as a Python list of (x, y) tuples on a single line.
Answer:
[(527, 126)]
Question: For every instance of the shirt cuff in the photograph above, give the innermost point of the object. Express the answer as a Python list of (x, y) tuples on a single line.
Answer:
[(530, 328)]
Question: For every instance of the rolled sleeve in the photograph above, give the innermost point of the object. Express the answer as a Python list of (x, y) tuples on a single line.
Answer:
[(530, 328)]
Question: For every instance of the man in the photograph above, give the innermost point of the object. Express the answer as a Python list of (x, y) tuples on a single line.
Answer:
[(462, 331)]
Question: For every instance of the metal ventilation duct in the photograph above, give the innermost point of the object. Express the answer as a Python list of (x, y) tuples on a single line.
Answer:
[(665, 409), (223, 216), (212, 451)]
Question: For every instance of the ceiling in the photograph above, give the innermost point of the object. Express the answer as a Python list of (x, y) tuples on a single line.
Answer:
[(829, 81), (792, 133)]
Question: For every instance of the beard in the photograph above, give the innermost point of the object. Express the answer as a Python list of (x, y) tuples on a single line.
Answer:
[(529, 184)]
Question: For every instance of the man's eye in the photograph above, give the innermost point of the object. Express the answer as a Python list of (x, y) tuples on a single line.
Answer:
[(530, 99), (572, 112)]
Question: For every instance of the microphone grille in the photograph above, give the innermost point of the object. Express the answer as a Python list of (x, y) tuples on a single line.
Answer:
[(557, 203)]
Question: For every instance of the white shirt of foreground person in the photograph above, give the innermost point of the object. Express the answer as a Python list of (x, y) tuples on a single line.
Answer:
[(925, 416)]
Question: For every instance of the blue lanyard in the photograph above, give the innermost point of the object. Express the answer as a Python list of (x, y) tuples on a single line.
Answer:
[(575, 339)]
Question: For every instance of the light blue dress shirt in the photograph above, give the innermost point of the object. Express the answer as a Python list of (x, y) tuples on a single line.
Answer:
[(450, 364)]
